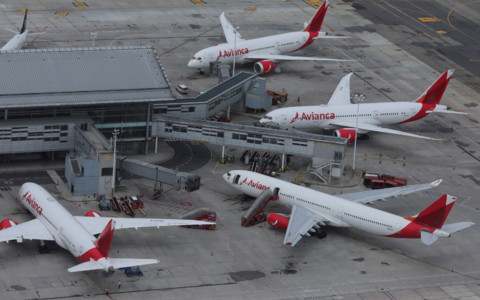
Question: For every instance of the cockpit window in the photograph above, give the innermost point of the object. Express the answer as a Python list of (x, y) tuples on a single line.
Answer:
[(268, 117), (199, 58), (228, 174)]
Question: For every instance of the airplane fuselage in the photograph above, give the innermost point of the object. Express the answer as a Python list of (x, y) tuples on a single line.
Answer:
[(275, 44), (339, 212), (321, 116), (67, 231), (16, 42)]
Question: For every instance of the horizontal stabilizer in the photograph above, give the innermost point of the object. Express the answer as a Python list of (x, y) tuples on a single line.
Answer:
[(118, 263), (115, 262), (86, 266), (447, 112), (451, 228), (427, 237), (331, 37)]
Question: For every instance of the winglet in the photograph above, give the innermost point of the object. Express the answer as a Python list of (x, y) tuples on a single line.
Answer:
[(342, 92), (436, 182), (434, 94), (24, 27), (317, 20)]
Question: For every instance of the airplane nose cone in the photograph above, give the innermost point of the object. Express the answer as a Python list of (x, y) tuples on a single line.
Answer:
[(191, 64)]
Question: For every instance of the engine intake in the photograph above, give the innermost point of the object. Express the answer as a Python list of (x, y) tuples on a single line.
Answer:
[(264, 67), (7, 223), (94, 214), (278, 221), (346, 133)]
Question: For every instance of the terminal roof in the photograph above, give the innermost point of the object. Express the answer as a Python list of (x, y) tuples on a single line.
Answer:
[(81, 76)]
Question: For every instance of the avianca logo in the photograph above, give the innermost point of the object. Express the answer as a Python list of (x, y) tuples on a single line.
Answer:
[(231, 52), (313, 116), (31, 201), (257, 185)]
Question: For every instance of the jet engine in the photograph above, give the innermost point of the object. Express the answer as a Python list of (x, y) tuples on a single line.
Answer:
[(346, 133), (277, 221), (7, 223), (93, 213), (264, 67)]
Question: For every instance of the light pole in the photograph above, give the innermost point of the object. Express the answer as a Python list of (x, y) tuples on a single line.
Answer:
[(114, 136), (355, 143), (93, 36), (234, 49)]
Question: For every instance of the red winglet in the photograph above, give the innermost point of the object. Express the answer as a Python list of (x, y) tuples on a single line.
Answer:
[(105, 239), (434, 94), (317, 20)]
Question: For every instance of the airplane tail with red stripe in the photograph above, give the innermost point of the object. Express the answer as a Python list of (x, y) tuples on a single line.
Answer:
[(436, 214), (434, 93), (317, 20), (434, 217), (105, 239)]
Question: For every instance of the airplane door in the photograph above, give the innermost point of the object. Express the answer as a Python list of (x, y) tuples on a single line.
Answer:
[(210, 57), (235, 179), (283, 119), (375, 114), (277, 45)]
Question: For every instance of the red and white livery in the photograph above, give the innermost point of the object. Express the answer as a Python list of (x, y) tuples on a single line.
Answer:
[(267, 51), (313, 210), (76, 233), (341, 115)]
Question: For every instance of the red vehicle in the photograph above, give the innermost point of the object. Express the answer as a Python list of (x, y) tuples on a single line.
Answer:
[(376, 181)]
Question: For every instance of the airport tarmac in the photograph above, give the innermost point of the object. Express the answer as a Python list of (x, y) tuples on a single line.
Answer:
[(397, 58)]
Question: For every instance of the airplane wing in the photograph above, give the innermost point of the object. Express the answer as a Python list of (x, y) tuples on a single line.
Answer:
[(264, 56), (371, 127), (302, 221), (229, 30), (370, 196), (31, 230), (342, 92), (96, 225)]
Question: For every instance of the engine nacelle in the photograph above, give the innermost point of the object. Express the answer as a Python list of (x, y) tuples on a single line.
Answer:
[(264, 67), (346, 133), (277, 221), (7, 223), (93, 213)]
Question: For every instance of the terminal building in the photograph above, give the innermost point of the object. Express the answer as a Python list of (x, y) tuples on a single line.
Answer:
[(68, 101)]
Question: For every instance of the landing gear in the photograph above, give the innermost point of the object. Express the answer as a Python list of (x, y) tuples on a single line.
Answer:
[(321, 233), (42, 248), (201, 72)]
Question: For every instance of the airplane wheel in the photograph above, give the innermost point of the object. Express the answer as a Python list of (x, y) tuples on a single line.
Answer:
[(322, 234), (43, 249)]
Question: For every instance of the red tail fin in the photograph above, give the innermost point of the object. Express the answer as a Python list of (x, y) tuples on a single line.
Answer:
[(434, 94), (105, 239), (435, 215), (317, 20)]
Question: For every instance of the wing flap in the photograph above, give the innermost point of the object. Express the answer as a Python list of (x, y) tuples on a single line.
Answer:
[(301, 221), (370, 127), (370, 196), (96, 225), (31, 230)]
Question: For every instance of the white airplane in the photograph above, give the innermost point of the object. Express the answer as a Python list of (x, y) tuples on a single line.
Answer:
[(313, 210), (76, 234), (268, 49), (341, 114), (18, 41)]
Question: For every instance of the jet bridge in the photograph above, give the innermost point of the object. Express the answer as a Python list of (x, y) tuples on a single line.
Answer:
[(179, 180), (324, 150)]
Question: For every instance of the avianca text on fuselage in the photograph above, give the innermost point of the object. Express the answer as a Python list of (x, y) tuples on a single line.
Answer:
[(313, 116), (231, 52), (33, 204), (256, 185)]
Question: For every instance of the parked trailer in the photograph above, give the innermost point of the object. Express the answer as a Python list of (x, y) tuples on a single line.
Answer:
[(114, 204), (201, 214), (376, 181), (104, 204), (129, 208)]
